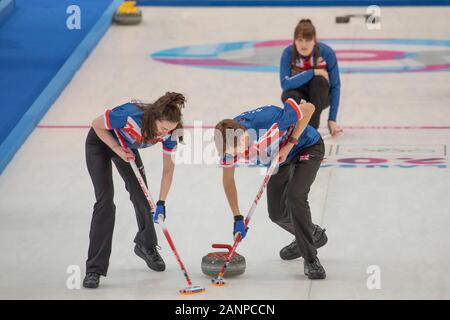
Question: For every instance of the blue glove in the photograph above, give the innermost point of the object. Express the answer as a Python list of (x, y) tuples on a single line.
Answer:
[(239, 227), (160, 210)]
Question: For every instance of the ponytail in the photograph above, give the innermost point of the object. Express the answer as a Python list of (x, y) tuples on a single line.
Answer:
[(168, 107)]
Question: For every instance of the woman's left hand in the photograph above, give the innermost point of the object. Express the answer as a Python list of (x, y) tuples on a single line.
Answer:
[(284, 151), (333, 128)]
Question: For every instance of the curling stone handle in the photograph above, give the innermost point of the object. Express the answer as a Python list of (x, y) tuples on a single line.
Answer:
[(222, 246)]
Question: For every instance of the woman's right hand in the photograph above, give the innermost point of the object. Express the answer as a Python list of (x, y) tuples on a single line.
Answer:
[(322, 73), (125, 154)]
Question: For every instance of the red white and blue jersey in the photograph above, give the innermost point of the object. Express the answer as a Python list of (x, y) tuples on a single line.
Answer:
[(127, 120), (261, 122), (298, 75)]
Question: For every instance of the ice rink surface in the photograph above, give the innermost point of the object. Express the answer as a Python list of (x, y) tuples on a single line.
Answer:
[(382, 193)]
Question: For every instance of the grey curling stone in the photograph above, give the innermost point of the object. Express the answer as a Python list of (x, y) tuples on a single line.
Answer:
[(128, 18), (213, 262)]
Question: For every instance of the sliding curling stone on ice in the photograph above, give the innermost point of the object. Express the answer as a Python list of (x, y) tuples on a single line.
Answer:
[(213, 262), (128, 14)]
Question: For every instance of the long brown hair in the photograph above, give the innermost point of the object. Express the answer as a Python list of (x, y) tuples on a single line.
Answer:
[(304, 30), (168, 108)]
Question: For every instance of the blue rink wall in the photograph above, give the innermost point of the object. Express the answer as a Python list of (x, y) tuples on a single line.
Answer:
[(38, 57), (294, 3)]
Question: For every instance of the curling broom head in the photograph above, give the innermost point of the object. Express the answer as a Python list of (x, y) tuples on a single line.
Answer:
[(192, 290)]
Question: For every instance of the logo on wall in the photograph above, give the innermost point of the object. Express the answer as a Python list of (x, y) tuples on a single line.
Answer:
[(386, 156), (354, 55), (383, 157)]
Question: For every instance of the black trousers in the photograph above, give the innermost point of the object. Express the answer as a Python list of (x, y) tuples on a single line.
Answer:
[(287, 197), (99, 158), (316, 92)]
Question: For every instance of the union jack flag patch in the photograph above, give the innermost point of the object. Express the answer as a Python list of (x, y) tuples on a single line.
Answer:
[(304, 157)]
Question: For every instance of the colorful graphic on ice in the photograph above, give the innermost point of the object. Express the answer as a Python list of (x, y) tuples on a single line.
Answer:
[(354, 55)]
